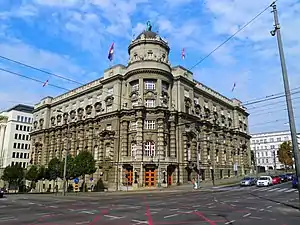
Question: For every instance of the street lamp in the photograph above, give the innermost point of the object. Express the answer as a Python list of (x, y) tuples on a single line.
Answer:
[(66, 158)]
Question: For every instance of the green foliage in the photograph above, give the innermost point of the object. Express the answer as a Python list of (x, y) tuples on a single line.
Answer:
[(32, 174), (84, 163), (70, 173), (285, 155), (253, 158), (55, 169), (13, 174)]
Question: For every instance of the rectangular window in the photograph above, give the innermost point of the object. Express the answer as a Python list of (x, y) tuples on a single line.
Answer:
[(17, 155), (150, 85), (17, 127), (271, 139), (28, 129), (26, 146), (22, 146), (278, 139), (14, 155), (150, 124), (21, 155), (19, 145), (24, 128), (22, 118), (16, 136), (15, 145), (20, 136), (18, 118), (21, 127), (150, 103), (149, 148)]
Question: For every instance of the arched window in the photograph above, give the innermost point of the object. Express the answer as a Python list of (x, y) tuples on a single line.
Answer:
[(149, 148)]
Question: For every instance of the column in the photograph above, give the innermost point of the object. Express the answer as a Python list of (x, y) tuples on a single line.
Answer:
[(72, 141), (101, 149), (46, 149), (58, 144), (125, 151), (194, 150), (52, 145), (185, 154), (80, 132), (172, 138), (139, 136), (160, 139), (90, 137)]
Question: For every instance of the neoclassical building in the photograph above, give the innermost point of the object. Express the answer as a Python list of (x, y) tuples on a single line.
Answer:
[(143, 123)]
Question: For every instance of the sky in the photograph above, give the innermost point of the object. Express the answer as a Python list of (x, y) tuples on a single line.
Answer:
[(71, 38)]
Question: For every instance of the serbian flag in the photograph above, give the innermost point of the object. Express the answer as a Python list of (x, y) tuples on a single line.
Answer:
[(234, 84), (45, 83), (111, 52), (183, 54)]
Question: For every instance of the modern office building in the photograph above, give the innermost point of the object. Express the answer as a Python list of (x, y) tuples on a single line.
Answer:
[(144, 120), (15, 126), (265, 146)]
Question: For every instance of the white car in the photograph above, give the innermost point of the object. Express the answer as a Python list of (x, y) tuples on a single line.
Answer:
[(264, 181)]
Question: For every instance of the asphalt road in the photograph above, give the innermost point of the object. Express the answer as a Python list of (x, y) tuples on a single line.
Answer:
[(223, 206)]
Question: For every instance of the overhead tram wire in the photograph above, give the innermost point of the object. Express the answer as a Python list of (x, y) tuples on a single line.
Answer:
[(33, 79), (232, 36), (40, 70)]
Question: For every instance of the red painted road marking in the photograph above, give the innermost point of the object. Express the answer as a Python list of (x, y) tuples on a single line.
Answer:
[(148, 212), (98, 217), (211, 222)]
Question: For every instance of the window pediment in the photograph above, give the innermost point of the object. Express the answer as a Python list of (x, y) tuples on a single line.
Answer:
[(188, 101), (109, 100), (98, 107), (149, 94)]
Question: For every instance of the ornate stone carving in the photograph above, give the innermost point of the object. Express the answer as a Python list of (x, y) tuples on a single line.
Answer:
[(197, 109), (109, 100), (80, 113), (35, 123), (98, 107), (187, 101), (149, 94), (41, 123), (73, 114), (134, 95), (88, 109), (58, 118), (52, 121)]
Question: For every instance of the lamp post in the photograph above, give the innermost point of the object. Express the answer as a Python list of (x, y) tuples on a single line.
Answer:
[(66, 158)]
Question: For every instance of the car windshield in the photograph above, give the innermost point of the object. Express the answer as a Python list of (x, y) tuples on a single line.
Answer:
[(263, 178), (247, 178)]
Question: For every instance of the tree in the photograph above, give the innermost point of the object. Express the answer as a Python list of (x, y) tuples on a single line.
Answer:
[(54, 169), (32, 175), (253, 158), (70, 173), (84, 163), (13, 175), (285, 155)]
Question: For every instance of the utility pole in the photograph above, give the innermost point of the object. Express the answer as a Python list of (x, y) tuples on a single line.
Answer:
[(274, 160), (296, 152), (66, 161)]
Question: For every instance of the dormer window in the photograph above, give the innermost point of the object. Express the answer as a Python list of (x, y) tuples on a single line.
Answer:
[(150, 85)]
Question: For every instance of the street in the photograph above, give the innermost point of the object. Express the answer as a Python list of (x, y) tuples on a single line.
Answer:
[(231, 205)]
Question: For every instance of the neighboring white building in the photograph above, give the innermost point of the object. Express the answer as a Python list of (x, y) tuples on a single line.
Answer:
[(265, 147), (15, 126)]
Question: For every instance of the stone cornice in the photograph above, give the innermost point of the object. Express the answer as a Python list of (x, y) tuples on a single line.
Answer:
[(148, 41), (148, 70)]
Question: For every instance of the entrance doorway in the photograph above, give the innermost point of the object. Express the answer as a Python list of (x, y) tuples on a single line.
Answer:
[(150, 177), (170, 171), (129, 176)]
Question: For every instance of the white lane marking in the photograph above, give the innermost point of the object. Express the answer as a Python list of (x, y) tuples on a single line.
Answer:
[(114, 217), (254, 217), (251, 208), (269, 206), (43, 214), (140, 221), (274, 189), (53, 206), (174, 209), (8, 218), (290, 190), (87, 212), (196, 206), (232, 204), (248, 214), (170, 216), (262, 210), (83, 222), (283, 189), (210, 207), (230, 222)]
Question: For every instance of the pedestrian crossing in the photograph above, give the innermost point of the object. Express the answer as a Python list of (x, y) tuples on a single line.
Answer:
[(261, 189)]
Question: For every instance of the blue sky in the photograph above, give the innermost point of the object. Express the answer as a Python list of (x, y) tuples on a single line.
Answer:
[(72, 38)]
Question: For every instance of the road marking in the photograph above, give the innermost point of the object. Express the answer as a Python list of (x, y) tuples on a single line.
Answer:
[(87, 212), (230, 222), (196, 206), (290, 190), (254, 217), (262, 210), (210, 207), (174, 209), (232, 204), (248, 214), (8, 218), (83, 222), (170, 216), (269, 206), (53, 206), (283, 189), (140, 221), (43, 214), (114, 217), (251, 208)]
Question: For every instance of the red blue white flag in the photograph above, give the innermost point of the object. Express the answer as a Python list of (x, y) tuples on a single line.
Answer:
[(111, 52), (183, 53)]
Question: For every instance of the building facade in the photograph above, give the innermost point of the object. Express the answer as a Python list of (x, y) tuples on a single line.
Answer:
[(15, 126), (142, 123), (265, 146)]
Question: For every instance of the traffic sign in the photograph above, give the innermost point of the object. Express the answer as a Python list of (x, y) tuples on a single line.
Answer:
[(76, 180), (76, 187)]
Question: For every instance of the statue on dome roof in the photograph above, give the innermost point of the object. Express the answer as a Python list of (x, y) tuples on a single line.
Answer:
[(149, 26)]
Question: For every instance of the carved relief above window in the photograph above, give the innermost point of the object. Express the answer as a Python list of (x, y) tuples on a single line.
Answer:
[(52, 121), (41, 123), (88, 109), (80, 113), (206, 113), (65, 117), (134, 95), (73, 114), (35, 124), (58, 118), (98, 107), (187, 101), (149, 94), (109, 100), (197, 109), (164, 100)]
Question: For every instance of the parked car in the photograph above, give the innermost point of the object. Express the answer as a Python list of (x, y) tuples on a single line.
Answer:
[(290, 176), (295, 182), (283, 177), (248, 181), (276, 180), (1, 193), (264, 181)]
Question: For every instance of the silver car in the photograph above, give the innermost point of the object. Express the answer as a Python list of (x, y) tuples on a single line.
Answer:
[(247, 181)]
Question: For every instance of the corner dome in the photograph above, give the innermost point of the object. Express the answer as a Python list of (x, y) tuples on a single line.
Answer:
[(147, 34)]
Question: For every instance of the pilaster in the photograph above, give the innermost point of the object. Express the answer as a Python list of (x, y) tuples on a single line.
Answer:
[(160, 139), (124, 140), (172, 138)]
